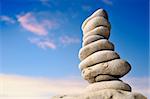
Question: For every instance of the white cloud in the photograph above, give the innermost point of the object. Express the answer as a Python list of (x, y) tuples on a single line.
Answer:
[(22, 87), (44, 24), (7, 19), (31, 88), (108, 2), (43, 43), (35, 24), (41, 24), (68, 40), (30, 23), (50, 43), (22, 97)]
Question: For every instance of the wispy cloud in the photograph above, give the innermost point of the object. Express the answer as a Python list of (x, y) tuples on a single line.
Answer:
[(49, 24), (43, 88), (33, 23), (43, 43), (44, 25), (68, 40), (53, 43), (7, 19), (30, 23), (108, 2), (86, 7)]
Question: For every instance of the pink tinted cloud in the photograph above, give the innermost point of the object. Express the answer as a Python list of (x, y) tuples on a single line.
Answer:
[(30, 23), (43, 43), (69, 40), (25, 87), (7, 19)]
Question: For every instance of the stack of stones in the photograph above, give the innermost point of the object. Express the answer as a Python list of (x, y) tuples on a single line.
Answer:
[(100, 65)]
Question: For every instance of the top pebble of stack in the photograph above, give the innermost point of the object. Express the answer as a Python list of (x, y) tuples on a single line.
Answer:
[(99, 14)]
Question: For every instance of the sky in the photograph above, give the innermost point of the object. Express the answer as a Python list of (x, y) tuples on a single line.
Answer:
[(40, 41)]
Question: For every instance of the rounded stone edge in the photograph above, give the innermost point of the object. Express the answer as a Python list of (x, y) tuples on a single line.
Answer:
[(100, 30), (98, 57), (96, 22), (114, 84), (99, 12), (107, 68), (93, 47), (90, 39)]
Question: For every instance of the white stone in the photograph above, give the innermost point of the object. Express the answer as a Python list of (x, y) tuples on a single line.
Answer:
[(117, 68), (104, 78), (99, 12), (99, 45), (98, 57), (91, 80), (114, 84), (100, 78), (100, 30), (104, 94), (95, 22), (91, 39)]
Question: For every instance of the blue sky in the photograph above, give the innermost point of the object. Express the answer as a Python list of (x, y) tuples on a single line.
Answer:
[(129, 20), (41, 38)]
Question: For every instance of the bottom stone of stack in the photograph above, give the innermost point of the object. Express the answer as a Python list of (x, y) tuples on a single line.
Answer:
[(104, 94)]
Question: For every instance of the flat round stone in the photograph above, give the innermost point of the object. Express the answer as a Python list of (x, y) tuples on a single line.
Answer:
[(105, 78), (99, 12), (99, 45), (95, 22), (114, 84), (100, 30), (117, 68), (92, 80), (98, 57), (91, 39), (100, 78)]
